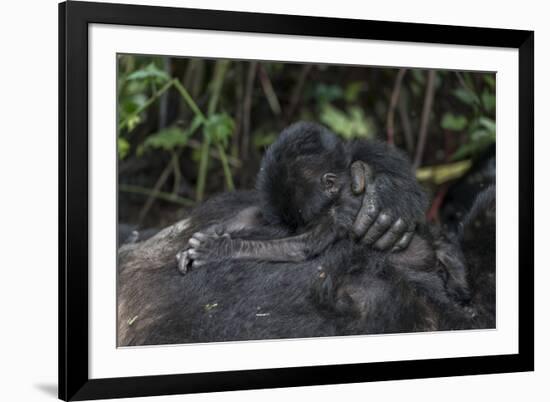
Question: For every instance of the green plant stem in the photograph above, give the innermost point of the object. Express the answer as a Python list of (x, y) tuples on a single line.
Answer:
[(161, 195), (219, 75), (233, 162), (177, 172), (203, 163), (424, 122), (203, 168), (226, 169), (217, 83), (185, 95), (156, 189), (149, 102)]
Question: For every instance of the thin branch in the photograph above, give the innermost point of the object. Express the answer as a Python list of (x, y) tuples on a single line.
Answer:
[(193, 77), (177, 172), (163, 104), (393, 104), (127, 188), (462, 81), (269, 91), (406, 124), (437, 202), (156, 189), (297, 92), (247, 107), (239, 94), (424, 122)]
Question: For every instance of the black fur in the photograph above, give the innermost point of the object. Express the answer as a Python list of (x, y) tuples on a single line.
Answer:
[(288, 181), (346, 289), (396, 185), (329, 295)]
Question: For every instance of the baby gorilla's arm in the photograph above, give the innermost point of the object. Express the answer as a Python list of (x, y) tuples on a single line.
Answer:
[(216, 245)]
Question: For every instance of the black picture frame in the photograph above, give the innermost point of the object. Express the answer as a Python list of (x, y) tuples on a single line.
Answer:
[(74, 381)]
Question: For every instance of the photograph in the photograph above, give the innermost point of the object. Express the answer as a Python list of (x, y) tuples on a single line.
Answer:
[(252, 200), (263, 200), (275, 201)]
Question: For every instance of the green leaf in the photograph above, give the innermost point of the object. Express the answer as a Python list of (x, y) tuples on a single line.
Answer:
[(219, 128), (353, 89), (489, 124), (336, 120), (167, 139), (453, 122), (195, 124), (466, 96), (488, 100), (135, 87), (128, 107), (328, 93), (490, 80), (353, 124), (133, 121), (440, 174), (150, 72), (132, 103), (479, 141), (123, 148)]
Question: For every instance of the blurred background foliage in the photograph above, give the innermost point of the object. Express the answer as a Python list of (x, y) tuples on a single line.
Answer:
[(189, 128)]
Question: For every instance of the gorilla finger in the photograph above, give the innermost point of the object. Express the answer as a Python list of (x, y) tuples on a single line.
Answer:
[(357, 177), (403, 243), (193, 242), (367, 214), (392, 235), (199, 236), (183, 262), (378, 228), (182, 269), (197, 263), (362, 177), (365, 218)]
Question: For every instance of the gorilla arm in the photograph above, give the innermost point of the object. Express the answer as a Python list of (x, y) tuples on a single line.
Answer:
[(218, 244)]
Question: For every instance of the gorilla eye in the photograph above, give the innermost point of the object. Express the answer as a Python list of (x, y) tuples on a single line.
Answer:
[(329, 180)]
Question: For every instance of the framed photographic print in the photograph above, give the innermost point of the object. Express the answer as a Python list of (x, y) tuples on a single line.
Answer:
[(257, 201)]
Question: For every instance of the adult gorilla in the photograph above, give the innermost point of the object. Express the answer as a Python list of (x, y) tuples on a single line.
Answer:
[(330, 293)]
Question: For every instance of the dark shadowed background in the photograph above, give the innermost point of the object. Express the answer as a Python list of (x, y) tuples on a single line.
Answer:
[(189, 128)]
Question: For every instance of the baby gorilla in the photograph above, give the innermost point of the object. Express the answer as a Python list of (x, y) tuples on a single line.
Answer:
[(305, 187)]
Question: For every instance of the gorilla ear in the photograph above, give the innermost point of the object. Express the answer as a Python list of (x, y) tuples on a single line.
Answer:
[(330, 182)]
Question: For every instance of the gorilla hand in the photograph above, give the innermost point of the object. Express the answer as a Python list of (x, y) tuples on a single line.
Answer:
[(212, 245), (383, 226)]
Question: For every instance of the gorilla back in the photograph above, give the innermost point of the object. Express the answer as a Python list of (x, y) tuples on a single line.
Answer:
[(329, 295), (335, 287)]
